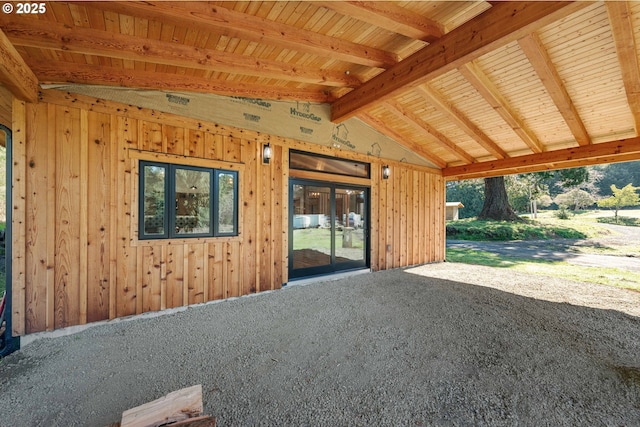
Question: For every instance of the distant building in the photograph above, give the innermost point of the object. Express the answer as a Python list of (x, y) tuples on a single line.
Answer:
[(451, 211)]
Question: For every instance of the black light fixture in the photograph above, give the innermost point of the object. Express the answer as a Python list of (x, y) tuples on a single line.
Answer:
[(266, 154), (386, 172)]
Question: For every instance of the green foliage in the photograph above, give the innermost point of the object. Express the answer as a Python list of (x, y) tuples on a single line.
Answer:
[(473, 229), (562, 213), (622, 197), (618, 174), (631, 222), (573, 177), (576, 199)]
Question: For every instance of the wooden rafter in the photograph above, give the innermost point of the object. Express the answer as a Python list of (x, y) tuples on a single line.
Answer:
[(382, 127), (592, 154), (205, 17), (429, 131), (620, 18), (48, 35), (501, 24), (415, 126), (456, 116), (541, 62), (15, 74), (390, 16), (492, 95), (49, 72)]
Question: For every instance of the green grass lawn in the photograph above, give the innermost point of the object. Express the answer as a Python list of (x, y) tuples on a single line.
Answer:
[(581, 225), (317, 238), (540, 229), (603, 276)]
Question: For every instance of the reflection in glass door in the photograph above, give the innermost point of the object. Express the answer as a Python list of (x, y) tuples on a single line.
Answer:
[(311, 228), (351, 225), (328, 228)]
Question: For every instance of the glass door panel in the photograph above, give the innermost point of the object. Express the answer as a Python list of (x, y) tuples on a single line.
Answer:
[(328, 228), (351, 226), (312, 239)]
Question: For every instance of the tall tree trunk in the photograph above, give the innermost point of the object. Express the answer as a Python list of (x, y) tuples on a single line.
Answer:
[(496, 203)]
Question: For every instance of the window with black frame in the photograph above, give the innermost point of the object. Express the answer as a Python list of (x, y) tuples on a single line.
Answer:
[(178, 201)]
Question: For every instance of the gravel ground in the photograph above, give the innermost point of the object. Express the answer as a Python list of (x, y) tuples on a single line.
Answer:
[(441, 344)]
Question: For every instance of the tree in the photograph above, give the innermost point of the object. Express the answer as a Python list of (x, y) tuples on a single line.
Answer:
[(622, 197), (496, 203), (619, 174), (576, 198)]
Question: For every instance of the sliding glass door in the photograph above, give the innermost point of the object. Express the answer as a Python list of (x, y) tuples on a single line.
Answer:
[(328, 228)]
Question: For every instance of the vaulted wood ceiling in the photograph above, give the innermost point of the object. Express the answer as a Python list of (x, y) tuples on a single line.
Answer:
[(476, 88)]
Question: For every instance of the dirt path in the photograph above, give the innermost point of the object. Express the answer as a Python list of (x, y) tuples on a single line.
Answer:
[(567, 250)]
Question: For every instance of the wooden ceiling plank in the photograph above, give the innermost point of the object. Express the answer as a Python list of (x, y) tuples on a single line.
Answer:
[(15, 74), (542, 64), (430, 131), (383, 128), (49, 72), (206, 17), (626, 48), (456, 116), (492, 95), (501, 24), (390, 108), (584, 155), (47, 35), (391, 17)]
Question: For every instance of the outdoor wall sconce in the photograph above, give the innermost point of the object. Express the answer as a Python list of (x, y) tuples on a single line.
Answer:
[(266, 154), (386, 172)]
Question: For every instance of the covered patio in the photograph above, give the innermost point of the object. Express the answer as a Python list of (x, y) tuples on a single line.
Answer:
[(432, 345)]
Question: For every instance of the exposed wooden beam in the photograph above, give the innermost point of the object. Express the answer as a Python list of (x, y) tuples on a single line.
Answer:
[(429, 131), (6, 101), (622, 29), (492, 95), (215, 18), (390, 16), (382, 127), (456, 116), (49, 72), (15, 74), (501, 24), (49, 35), (541, 62), (593, 154)]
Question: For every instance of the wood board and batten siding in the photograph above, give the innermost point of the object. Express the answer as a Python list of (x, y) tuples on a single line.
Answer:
[(76, 255)]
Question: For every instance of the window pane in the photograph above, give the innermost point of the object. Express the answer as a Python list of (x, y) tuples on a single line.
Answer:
[(154, 200), (227, 203), (193, 201), (315, 162)]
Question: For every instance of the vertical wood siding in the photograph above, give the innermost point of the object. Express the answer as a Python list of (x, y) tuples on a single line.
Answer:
[(76, 255), (408, 209)]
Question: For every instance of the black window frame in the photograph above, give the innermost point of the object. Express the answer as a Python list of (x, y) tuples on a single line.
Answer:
[(170, 210)]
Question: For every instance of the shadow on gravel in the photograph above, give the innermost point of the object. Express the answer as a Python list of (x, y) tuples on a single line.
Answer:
[(389, 348)]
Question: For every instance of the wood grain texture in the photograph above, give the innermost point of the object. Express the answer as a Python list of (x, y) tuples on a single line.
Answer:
[(83, 261)]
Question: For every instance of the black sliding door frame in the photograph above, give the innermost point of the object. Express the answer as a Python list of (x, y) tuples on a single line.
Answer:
[(336, 264)]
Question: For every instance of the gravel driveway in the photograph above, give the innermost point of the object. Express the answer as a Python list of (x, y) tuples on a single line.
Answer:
[(440, 344)]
